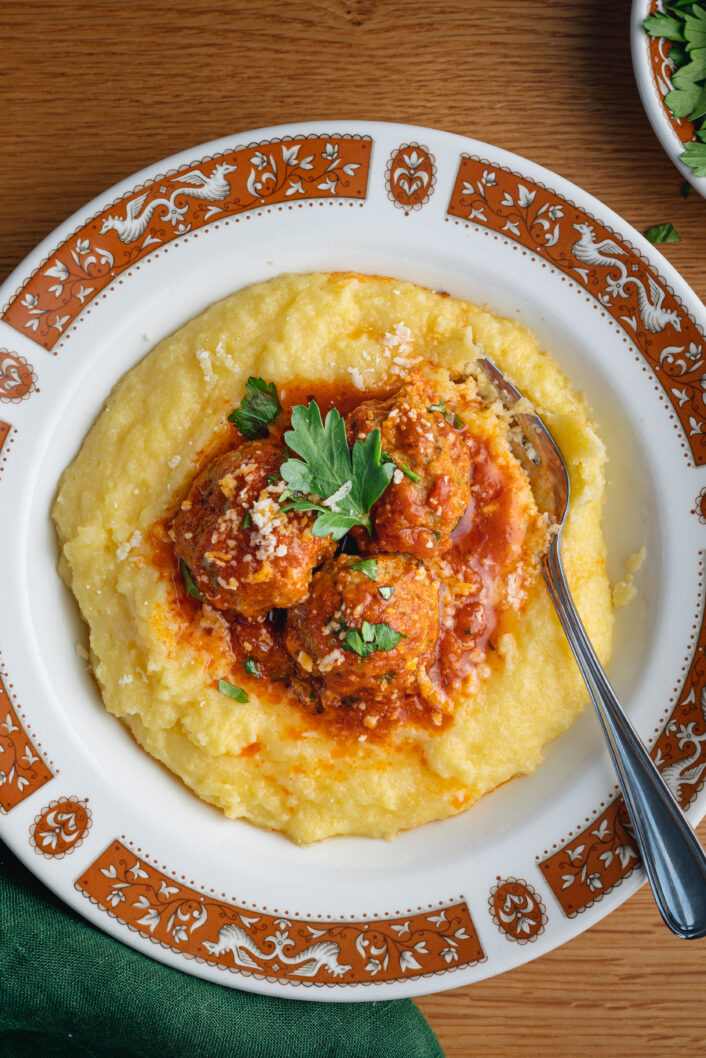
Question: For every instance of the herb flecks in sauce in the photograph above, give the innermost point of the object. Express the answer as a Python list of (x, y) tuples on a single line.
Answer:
[(231, 691), (260, 642), (371, 637), (188, 581), (368, 566)]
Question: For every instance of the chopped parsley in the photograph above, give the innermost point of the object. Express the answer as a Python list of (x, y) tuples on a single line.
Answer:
[(368, 566), (246, 519), (371, 637), (341, 485), (684, 23), (685, 189), (188, 581), (449, 414), (257, 409), (410, 473), (231, 691), (662, 233), (386, 591), (252, 668)]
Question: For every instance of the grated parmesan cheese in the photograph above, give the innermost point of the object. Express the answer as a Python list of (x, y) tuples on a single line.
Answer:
[(400, 338), (356, 378), (204, 358), (335, 657), (266, 516), (338, 495), (124, 550), (305, 660)]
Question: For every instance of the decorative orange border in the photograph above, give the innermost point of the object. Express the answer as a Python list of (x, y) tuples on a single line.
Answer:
[(5, 430), (277, 946), (272, 172), (410, 176), (699, 508), (517, 910), (601, 855), (658, 49), (61, 827), (18, 379), (22, 770), (620, 282)]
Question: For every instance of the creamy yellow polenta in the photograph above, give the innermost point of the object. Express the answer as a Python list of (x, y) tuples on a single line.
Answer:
[(263, 761)]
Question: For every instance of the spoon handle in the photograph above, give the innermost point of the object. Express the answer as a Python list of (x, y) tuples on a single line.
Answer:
[(673, 858)]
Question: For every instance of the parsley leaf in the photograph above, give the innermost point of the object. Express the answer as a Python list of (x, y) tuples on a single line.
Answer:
[(246, 519), (695, 28), (231, 691), (386, 591), (371, 637), (662, 233), (410, 473), (252, 668), (368, 566), (189, 582), (695, 157), (257, 409), (452, 418), (661, 25), (344, 485)]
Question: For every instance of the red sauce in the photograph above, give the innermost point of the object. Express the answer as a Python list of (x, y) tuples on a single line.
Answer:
[(484, 545)]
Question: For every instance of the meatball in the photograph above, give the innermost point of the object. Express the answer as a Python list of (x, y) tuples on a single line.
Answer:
[(244, 552), (325, 633), (418, 511)]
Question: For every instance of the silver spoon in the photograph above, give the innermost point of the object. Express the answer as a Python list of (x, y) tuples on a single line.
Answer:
[(673, 858)]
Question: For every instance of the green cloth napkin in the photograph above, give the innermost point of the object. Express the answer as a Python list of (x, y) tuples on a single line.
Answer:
[(67, 989)]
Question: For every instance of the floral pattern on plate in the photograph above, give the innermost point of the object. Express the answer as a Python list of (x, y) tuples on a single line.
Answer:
[(410, 176), (602, 854), (611, 270), (199, 925), (517, 910), (281, 172), (17, 377), (60, 828), (22, 770)]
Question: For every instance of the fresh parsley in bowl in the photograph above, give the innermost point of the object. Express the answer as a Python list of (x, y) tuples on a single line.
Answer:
[(684, 24), (668, 39)]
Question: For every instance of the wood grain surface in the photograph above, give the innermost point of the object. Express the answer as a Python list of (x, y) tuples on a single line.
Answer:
[(92, 92)]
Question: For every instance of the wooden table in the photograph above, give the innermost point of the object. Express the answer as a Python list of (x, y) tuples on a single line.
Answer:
[(94, 92)]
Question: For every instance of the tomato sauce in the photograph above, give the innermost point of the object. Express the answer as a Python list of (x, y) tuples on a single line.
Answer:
[(482, 548)]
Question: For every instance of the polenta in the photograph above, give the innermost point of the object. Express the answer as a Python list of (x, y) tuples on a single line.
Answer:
[(382, 686)]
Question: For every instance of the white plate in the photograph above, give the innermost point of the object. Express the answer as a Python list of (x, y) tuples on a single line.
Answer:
[(653, 73), (540, 859)]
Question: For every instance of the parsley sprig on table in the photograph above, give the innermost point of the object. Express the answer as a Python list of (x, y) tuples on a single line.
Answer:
[(662, 233), (684, 23), (258, 408), (341, 485)]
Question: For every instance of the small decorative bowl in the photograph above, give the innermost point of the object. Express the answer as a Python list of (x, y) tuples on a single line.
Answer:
[(653, 70)]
